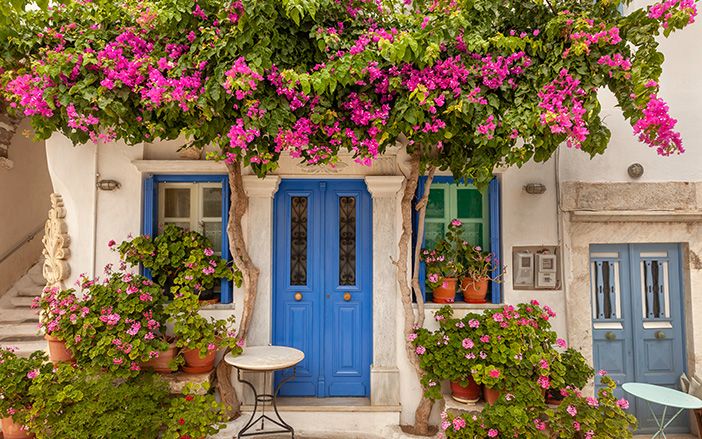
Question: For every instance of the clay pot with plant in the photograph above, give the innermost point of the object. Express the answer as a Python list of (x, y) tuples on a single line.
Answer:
[(479, 267), (16, 376), (179, 259), (198, 337), (443, 267), (450, 353), (121, 326), (59, 320)]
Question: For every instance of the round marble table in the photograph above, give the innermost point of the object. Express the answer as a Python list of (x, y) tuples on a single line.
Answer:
[(265, 359)]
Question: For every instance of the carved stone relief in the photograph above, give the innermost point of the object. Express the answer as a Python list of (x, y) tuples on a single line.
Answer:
[(56, 242)]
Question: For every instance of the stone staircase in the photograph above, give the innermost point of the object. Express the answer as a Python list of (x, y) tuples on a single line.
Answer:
[(18, 321)]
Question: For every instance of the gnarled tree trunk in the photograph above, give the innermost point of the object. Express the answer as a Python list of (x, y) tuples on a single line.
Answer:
[(421, 416), (239, 203)]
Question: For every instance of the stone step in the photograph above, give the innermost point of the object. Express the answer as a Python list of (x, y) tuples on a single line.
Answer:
[(24, 348), (18, 315), (19, 329), (36, 275), (28, 290), (22, 301)]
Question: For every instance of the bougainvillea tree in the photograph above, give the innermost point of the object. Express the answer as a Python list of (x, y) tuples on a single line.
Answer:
[(463, 85)]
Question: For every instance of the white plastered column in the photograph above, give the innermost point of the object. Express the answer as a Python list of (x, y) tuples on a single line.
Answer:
[(385, 375), (259, 241)]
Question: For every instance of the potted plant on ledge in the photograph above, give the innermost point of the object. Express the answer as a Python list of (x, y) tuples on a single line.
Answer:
[(58, 320), (178, 258), (199, 337), (443, 266), (121, 323)]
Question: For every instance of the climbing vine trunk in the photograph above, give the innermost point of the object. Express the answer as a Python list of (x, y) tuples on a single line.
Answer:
[(422, 212), (421, 416), (238, 205)]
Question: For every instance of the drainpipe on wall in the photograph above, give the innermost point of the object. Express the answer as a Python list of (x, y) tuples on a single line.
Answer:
[(559, 232), (95, 213)]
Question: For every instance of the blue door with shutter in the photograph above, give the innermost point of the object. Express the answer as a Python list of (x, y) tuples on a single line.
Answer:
[(322, 285), (638, 319)]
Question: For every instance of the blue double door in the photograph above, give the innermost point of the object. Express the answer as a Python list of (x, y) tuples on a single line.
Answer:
[(637, 314), (322, 285)]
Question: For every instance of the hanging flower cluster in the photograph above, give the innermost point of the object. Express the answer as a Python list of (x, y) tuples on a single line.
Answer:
[(562, 102), (360, 77)]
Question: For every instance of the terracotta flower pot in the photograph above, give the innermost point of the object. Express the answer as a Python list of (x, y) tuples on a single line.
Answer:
[(474, 291), (58, 352), (491, 395), (465, 394), (161, 364), (194, 363), (13, 430), (446, 292)]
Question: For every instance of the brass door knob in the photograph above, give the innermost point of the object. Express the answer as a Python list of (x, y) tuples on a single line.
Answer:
[(347, 296), (610, 336), (298, 296), (660, 335)]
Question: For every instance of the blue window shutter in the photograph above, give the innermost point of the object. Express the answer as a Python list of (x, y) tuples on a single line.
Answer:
[(150, 215), (226, 287), (495, 242)]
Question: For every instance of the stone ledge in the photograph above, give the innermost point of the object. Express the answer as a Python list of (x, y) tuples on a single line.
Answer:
[(177, 381), (478, 307), (454, 407), (648, 216)]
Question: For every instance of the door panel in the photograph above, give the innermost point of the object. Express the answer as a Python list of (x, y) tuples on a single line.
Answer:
[(658, 335), (613, 347), (330, 259), (637, 319)]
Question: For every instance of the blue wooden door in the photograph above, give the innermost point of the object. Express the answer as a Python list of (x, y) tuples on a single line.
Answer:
[(637, 318), (322, 285)]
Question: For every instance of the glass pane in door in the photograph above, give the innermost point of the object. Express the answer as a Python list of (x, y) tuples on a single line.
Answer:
[(298, 241)]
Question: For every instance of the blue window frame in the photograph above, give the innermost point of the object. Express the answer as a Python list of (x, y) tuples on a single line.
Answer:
[(492, 235), (151, 214)]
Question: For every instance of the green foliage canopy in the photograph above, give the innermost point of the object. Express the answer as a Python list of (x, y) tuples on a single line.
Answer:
[(471, 83)]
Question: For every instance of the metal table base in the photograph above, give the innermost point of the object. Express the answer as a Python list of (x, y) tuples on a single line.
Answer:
[(264, 398), (661, 423)]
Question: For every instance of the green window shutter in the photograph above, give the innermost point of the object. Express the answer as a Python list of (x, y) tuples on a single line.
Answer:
[(472, 208), (438, 214)]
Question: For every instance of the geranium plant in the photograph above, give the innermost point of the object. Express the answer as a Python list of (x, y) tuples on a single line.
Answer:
[(443, 261), (196, 332), (121, 325), (16, 375), (587, 417), (59, 312), (178, 257), (576, 374), (449, 353), (88, 402), (193, 414)]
